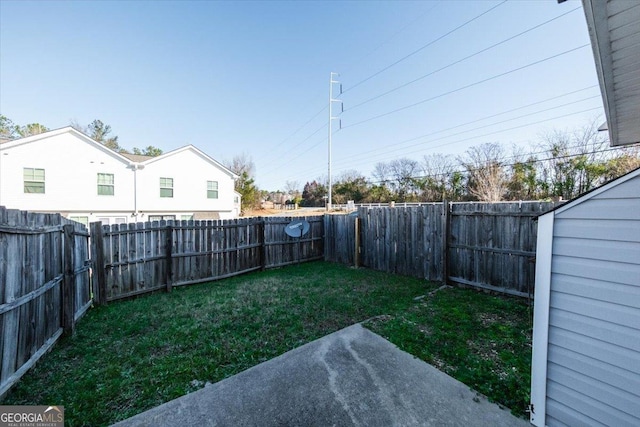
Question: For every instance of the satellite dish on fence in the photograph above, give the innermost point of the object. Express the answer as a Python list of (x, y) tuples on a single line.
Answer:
[(354, 213), (297, 228)]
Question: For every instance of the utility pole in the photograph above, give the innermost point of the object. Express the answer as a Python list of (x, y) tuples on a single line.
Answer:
[(331, 117)]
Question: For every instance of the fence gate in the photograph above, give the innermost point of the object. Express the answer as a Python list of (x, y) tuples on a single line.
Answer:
[(44, 286)]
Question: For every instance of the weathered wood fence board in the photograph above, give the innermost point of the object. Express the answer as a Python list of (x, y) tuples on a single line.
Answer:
[(339, 238), (486, 245), (403, 240), (493, 245), (44, 286), (145, 257)]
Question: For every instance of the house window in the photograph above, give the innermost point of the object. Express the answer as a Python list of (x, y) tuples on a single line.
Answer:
[(236, 200), (162, 217), (105, 184), (212, 189), (84, 220), (33, 180), (186, 217), (166, 187)]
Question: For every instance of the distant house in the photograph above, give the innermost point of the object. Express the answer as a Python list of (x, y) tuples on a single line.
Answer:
[(586, 330), (64, 171)]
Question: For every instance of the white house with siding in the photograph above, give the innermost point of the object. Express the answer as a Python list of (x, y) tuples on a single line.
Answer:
[(64, 171), (586, 333)]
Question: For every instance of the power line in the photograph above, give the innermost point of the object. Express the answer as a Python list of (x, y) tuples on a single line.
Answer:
[(483, 126), (398, 32), (279, 165), (502, 130), (425, 46), (274, 149), (484, 135), (467, 86), (459, 61)]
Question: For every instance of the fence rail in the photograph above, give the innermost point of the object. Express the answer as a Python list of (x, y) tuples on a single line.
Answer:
[(44, 286), (132, 259)]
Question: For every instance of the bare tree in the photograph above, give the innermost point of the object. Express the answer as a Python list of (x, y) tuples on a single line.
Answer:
[(243, 166), (576, 161), (405, 172), (242, 163), (437, 170), (485, 173), (381, 172), (523, 175), (292, 189)]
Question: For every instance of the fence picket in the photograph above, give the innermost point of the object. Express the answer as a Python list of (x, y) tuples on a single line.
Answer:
[(36, 263)]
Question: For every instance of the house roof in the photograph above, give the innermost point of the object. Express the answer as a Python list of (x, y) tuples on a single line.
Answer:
[(138, 158), (614, 28), (123, 157), (70, 130), (196, 151), (594, 192)]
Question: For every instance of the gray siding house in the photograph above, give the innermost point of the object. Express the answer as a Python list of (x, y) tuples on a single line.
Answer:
[(586, 344), (586, 325)]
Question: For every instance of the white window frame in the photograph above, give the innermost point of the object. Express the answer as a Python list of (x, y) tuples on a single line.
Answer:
[(31, 180), (212, 190), (166, 184), (106, 184)]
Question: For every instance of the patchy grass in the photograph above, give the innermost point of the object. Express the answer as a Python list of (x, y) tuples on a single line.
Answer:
[(482, 340), (133, 355)]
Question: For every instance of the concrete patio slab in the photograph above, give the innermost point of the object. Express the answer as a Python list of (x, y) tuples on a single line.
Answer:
[(352, 377)]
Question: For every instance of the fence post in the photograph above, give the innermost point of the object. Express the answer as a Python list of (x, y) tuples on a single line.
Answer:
[(97, 258), (263, 248), (446, 229), (68, 283), (356, 255), (168, 248)]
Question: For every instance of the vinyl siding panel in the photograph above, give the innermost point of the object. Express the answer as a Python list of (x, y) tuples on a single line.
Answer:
[(628, 190), (616, 293), (605, 250), (564, 415), (611, 333), (607, 394), (593, 359), (606, 271), (593, 411), (619, 209), (606, 229), (606, 353), (605, 372)]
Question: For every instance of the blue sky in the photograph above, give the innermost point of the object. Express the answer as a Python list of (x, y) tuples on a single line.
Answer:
[(253, 77)]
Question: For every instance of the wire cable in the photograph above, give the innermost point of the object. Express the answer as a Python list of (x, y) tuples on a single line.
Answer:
[(474, 137), (424, 46), (467, 86), (460, 60), (476, 128)]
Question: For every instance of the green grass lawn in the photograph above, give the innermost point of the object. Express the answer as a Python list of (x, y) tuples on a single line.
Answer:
[(133, 355)]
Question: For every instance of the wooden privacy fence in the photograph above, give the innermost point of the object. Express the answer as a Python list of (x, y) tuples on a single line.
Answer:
[(44, 286), (486, 245), (131, 259)]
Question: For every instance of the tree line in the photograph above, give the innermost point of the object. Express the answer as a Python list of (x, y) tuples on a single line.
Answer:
[(563, 165), (96, 130)]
